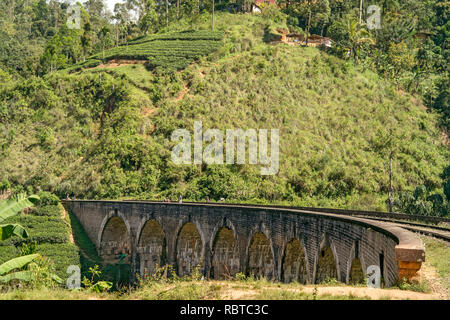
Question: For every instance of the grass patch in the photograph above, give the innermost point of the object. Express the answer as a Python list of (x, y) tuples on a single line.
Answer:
[(438, 255)]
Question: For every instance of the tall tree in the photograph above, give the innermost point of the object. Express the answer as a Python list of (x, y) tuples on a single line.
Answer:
[(315, 12)]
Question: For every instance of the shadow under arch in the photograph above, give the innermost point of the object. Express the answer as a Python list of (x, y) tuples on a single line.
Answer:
[(326, 263), (355, 266), (260, 257), (225, 258), (356, 275), (189, 249), (151, 248), (115, 241), (294, 264)]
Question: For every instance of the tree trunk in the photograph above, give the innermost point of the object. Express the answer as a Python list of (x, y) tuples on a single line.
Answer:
[(308, 27), (360, 11), (213, 15), (167, 12), (390, 183), (178, 9)]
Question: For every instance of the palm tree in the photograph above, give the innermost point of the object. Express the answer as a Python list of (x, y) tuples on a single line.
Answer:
[(357, 35), (103, 36)]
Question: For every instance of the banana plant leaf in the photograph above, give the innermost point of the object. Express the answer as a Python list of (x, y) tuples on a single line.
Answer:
[(11, 207), (16, 263), (9, 230), (56, 278), (19, 275)]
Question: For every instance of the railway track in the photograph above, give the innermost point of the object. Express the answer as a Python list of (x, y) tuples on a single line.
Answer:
[(398, 219), (434, 231)]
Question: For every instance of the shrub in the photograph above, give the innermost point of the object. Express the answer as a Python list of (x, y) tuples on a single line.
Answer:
[(47, 198), (47, 210)]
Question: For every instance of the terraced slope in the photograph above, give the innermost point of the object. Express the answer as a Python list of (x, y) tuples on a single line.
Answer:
[(175, 50)]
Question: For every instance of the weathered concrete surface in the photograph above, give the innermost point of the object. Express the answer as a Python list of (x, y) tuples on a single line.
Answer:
[(281, 244)]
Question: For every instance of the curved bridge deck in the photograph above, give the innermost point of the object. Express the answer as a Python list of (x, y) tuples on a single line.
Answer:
[(283, 244)]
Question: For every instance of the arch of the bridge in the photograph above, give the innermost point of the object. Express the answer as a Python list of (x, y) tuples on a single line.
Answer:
[(327, 261), (114, 238), (151, 247), (355, 266), (295, 265), (225, 257), (190, 249), (260, 254)]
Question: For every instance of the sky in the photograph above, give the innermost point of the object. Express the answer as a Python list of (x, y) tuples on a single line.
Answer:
[(111, 3)]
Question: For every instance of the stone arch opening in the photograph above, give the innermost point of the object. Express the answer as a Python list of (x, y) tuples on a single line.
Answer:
[(356, 272), (225, 262), (189, 249), (294, 263), (115, 242), (260, 257), (326, 266), (151, 248)]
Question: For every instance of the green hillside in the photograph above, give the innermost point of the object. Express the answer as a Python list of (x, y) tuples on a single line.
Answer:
[(105, 132)]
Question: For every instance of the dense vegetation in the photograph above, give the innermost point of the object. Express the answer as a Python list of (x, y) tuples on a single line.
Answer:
[(90, 133), (48, 236), (105, 133)]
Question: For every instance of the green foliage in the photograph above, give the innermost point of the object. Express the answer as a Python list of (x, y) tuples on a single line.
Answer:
[(48, 236), (4, 185), (438, 256), (421, 202), (446, 178), (41, 229), (414, 286), (61, 255), (10, 230), (93, 284), (47, 199), (7, 269), (47, 210), (14, 205), (88, 132)]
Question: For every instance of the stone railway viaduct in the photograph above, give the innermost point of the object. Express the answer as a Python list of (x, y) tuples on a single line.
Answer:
[(280, 244)]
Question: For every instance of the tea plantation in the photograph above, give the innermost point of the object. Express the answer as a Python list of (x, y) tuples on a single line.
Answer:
[(49, 236), (172, 50)]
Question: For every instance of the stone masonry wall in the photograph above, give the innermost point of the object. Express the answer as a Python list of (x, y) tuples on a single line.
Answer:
[(279, 244)]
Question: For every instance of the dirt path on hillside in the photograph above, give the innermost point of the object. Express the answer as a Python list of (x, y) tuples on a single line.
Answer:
[(118, 63), (182, 93), (64, 215), (148, 111)]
